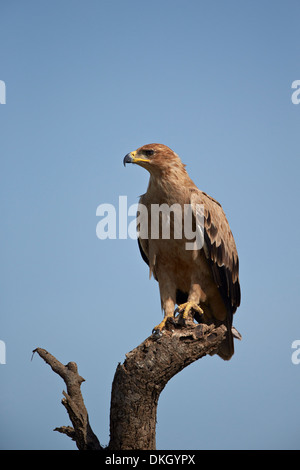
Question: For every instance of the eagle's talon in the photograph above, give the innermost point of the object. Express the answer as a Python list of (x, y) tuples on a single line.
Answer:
[(158, 328), (187, 307), (156, 333)]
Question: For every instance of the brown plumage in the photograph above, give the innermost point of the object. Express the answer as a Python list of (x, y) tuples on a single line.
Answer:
[(205, 279)]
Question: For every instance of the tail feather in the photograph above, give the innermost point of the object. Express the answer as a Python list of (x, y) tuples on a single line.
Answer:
[(226, 349)]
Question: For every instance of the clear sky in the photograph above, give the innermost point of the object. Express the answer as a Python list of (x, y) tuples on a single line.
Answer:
[(87, 82)]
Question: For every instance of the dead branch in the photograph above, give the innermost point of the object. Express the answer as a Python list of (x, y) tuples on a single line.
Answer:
[(81, 432), (137, 385)]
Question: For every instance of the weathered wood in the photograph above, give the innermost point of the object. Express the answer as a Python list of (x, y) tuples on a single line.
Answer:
[(81, 432), (145, 372), (137, 385)]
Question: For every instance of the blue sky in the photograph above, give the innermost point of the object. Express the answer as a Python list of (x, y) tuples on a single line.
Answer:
[(87, 82)]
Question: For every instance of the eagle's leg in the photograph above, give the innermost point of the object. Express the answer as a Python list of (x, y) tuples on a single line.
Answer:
[(187, 307), (168, 306), (195, 295)]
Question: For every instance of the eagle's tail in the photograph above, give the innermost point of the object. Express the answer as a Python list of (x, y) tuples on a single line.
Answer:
[(226, 349)]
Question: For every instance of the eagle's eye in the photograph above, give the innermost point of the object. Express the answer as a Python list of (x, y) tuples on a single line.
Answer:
[(148, 153)]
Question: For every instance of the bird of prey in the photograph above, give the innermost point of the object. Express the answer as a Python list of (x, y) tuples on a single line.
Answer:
[(202, 281)]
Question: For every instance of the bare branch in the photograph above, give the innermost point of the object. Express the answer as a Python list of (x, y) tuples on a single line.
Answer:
[(81, 432), (137, 385), (139, 381)]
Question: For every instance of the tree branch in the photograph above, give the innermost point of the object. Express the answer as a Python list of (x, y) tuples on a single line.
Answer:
[(137, 385), (147, 369), (81, 432)]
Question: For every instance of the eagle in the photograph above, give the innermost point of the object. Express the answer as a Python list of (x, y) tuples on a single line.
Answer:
[(203, 281)]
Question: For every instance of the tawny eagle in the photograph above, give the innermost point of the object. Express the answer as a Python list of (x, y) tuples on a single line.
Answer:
[(203, 281)]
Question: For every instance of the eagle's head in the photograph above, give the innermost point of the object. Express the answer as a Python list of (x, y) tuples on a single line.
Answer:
[(156, 158)]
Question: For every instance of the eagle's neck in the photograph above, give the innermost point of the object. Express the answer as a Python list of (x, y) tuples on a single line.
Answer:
[(168, 186)]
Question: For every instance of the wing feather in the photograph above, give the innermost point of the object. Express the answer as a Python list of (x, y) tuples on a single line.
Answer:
[(220, 249)]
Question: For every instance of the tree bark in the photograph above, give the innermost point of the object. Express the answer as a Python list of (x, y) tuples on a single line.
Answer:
[(137, 385)]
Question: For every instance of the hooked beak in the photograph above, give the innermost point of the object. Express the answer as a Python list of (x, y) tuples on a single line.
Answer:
[(127, 159), (131, 158)]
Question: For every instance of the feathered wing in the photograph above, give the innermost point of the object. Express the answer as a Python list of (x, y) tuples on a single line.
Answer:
[(221, 253), (143, 222)]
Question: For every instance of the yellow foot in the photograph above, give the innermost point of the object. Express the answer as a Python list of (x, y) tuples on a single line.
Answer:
[(187, 307), (158, 328)]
